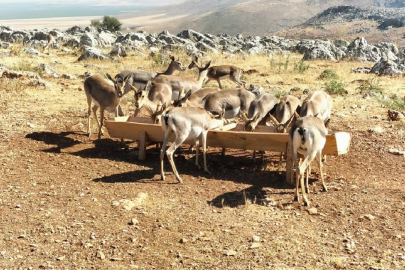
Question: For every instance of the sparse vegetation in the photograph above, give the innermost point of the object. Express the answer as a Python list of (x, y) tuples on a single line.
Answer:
[(394, 102), (370, 87), (328, 74), (335, 87), (109, 23), (300, 66)]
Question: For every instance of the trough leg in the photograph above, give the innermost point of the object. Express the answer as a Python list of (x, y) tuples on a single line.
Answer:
[(142, 145), (289, 166)]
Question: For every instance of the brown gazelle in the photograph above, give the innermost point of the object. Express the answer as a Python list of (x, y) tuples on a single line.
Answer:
[(177, 82), (186, 123), (104, 96), (195, 99), (319, 104), (307, 136), (258, 114), (139, 78), (285, 115), (151, 96), (50, 39), (221, 72)]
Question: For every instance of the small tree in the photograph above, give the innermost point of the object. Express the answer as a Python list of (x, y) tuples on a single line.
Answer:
[(95, 23), (111, 24)]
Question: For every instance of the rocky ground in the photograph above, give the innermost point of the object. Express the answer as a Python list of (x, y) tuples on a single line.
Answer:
[(72, 202)]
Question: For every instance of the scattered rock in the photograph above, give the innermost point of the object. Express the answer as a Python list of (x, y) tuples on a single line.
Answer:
[(230, 252), (395, 115), (134, 221), (396, 152), (313, 211)]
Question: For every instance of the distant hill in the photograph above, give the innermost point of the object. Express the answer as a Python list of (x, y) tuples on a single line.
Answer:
[(348, 22), (248, 17)]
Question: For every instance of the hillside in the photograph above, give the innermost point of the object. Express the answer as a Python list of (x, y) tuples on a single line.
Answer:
[(348, 22), (254, 17)]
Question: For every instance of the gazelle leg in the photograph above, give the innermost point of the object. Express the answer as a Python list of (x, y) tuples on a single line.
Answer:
[(204, 143), (297, 175), (308, 172), (197, 152), (89, 117), (101, 123), (219, 83), (177, 142), (320, 165), (162, 153)]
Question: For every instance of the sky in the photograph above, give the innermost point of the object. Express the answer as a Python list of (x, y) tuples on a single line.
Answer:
[(98, 2)]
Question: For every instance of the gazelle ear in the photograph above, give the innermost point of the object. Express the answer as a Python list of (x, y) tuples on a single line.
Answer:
[(207, 65), (109, 77), (133, 88), (298, 109), (181, 93), (188, 94), (172, 58), (127, 77)]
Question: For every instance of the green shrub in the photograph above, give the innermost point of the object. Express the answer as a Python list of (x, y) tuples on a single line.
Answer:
[(278, 92), (300, 66), (371, 87), (334, 87), (109, 23), (328, 74), (394, 102)]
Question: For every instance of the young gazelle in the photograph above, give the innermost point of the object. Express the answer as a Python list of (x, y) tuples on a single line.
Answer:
[(307, 136), (139, 78), (177, 82), (319, 104), (50, 39), (104, 96), (219, 73), (259, 110), (285, 115), (185, 123), (151, 96), (195, 99)]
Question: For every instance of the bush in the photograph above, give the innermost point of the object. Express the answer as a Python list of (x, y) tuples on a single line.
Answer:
[(370, 87), (109, 23), (328, 74), (300, 66), (334, 87)]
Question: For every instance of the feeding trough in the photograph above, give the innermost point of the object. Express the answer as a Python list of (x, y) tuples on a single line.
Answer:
[(228, 136)]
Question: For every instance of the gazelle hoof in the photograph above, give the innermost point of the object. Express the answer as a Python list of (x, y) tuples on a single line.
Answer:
[(306, 203)]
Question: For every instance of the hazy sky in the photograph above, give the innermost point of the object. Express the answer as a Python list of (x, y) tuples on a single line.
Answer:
[(99, 2)]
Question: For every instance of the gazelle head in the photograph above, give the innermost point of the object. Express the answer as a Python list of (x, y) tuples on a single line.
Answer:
[(119, 86), (176, 64), (157, 115), (250, 124), (141, 95)]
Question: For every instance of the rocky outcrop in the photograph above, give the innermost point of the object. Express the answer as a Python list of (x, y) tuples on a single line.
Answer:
[(195, 43)]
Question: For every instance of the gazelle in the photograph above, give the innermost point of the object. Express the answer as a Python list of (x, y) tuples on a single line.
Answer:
[(151, 96), (307, 136), (229, 102), (284, 116), (221, 72), (104, 96), (185, 123), (139, 78), (177, 82), (259, 110), (319, 104), (50, 39), (195, 99)]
